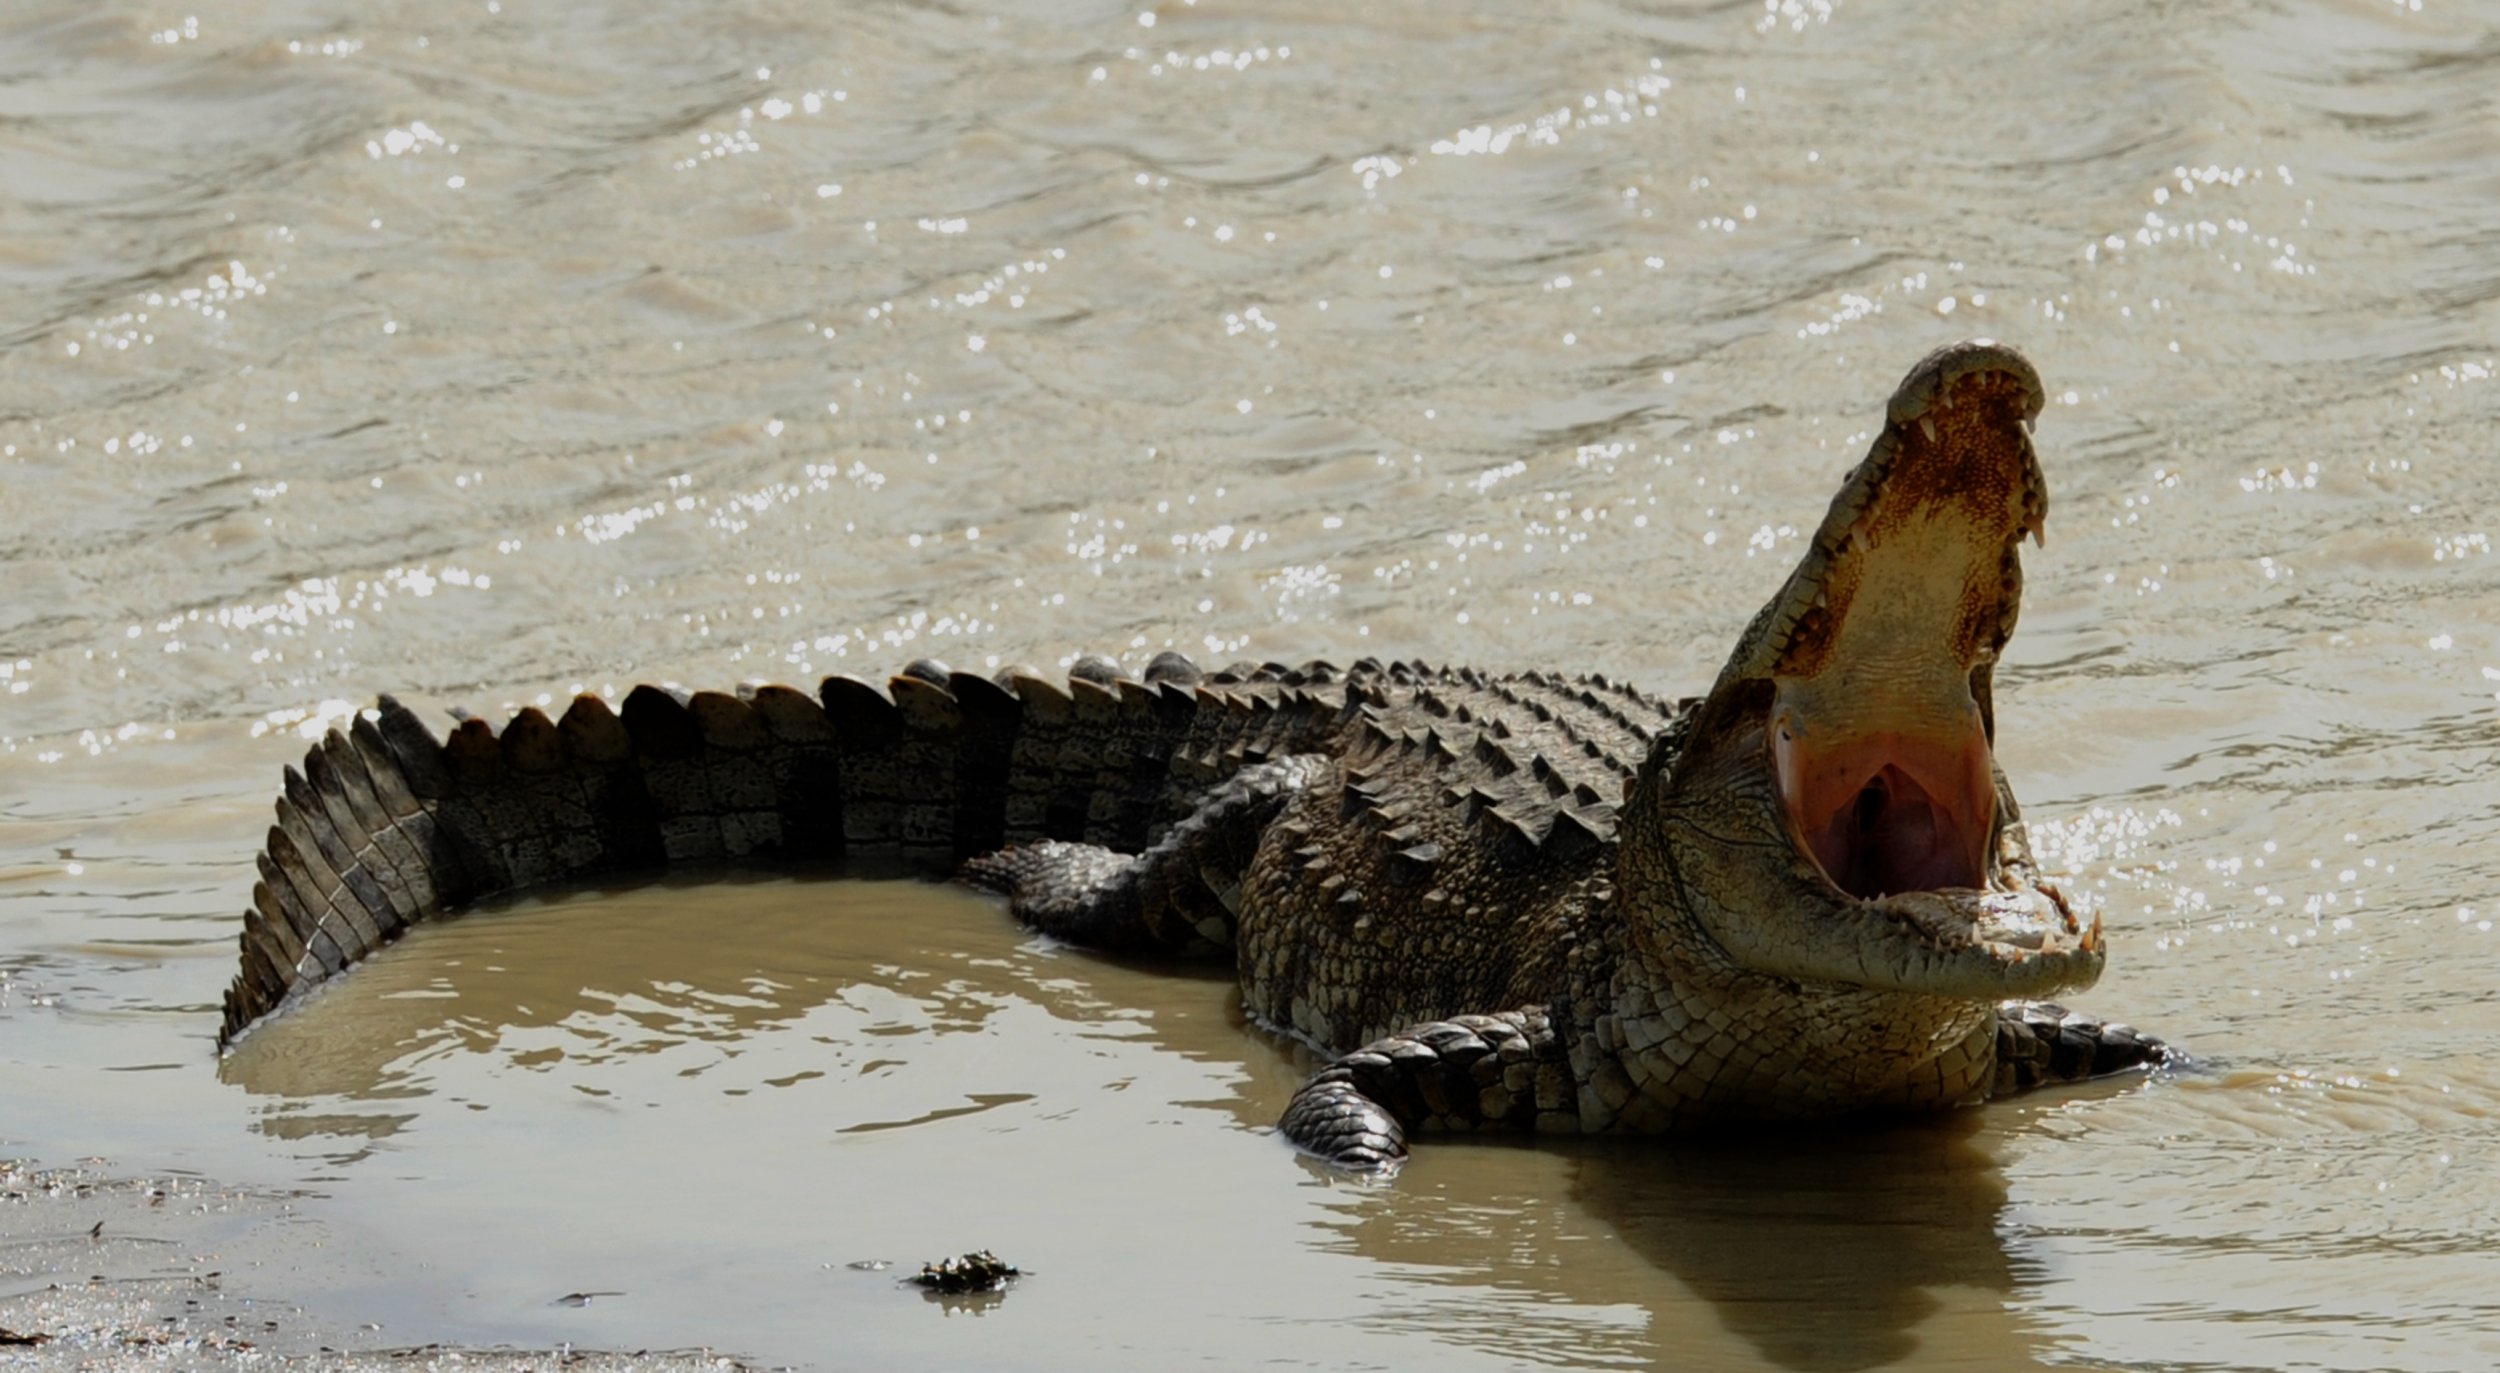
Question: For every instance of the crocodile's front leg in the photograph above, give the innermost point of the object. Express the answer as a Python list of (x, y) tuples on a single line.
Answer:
[(1177, 897), (1475, 1072), (1510, 1071)]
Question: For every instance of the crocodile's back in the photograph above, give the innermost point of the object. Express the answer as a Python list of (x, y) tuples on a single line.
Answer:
[(385, 826), (1442, 868)]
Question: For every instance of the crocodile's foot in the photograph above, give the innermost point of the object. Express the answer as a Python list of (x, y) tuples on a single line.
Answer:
[(1471, 1072), (1332, 1120), (1177, 897), (2040, 1043)]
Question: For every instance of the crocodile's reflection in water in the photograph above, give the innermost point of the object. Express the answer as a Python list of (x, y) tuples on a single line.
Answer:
[(1825, 1248), (1838, 1247)]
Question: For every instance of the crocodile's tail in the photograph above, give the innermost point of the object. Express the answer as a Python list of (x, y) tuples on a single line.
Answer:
[(385, 826)]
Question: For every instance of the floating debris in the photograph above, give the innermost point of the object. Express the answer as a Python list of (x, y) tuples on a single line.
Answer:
[(582, 1298), (979, 1271), (9, 1337)]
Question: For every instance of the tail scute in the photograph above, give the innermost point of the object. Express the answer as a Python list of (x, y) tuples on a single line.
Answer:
[(1034, 774), (923, 772), (339, 777), (869, 732), (1093, 762), (593, 735), (1133, 787), (302, 909), (746, 802), (304, 815), (668, 743), (993, 715), (805, 763), (624, 829), (434, 875), (488, 809), (270, 953), (301, 889), (414, 747), (315, 882), (543, 797), (301, 815), (531, 746), (268, 928)]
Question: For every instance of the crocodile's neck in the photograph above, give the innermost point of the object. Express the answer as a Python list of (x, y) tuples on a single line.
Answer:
[(1664, 1032)]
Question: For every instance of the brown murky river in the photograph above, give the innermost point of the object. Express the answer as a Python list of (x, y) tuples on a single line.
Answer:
[(483, 352)]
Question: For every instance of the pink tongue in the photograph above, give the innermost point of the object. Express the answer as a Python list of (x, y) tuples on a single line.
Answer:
[(1889, 813)]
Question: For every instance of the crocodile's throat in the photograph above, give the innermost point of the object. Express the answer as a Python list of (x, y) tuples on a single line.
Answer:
[(1887, 812)]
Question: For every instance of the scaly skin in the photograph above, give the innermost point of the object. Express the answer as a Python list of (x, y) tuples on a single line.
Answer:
[(1508, 902)]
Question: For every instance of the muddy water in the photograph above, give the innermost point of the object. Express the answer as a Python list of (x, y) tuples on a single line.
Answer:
[(485, 352)]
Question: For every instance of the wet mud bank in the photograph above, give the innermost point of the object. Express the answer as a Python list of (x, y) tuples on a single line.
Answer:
[(100, 1270)]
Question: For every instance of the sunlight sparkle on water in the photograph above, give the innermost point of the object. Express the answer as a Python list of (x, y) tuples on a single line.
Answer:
[(415, 138)]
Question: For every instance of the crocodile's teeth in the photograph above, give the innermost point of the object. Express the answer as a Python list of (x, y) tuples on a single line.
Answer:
[(1927, 426)]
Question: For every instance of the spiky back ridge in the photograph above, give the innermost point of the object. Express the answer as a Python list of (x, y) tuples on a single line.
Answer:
[(1470, 832), (384, 825)]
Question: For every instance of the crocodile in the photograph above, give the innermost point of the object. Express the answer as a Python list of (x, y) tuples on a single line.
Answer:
[(1501, 902)]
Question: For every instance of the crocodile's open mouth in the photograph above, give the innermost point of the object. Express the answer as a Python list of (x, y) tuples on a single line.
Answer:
[(1889, 811), (1894, 801)]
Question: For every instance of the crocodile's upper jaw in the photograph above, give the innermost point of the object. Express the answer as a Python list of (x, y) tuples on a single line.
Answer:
[(1878, 740), (1849, 735)]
